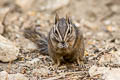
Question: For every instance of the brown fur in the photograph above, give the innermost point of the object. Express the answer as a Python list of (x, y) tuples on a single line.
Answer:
[(75, 52)]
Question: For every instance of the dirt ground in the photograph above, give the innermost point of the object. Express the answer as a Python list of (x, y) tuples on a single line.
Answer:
[(98, 19)]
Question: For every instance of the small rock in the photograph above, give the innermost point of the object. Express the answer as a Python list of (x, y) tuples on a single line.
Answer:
[(113, 74), (25, 44), (8, 51), (94, 70), (34, 61), (43, 71), (107, 58), (113, 58), (17, 76), (106, 73), (5, 76)]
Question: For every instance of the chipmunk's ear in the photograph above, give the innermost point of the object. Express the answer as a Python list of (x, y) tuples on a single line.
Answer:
[(67, 19), (56, 18)]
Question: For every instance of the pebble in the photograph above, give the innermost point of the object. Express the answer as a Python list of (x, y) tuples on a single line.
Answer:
[(8, 50), (18, 76)]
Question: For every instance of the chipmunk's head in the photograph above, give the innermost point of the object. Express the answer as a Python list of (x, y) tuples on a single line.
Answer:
[(63, 33)]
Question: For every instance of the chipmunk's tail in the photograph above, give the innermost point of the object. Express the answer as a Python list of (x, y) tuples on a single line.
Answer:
[(39, 39)]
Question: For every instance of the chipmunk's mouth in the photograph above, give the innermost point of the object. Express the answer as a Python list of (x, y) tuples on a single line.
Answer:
[(63, 45)]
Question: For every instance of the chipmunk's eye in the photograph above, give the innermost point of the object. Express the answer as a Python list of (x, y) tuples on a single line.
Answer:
[(55, 31), (69, 31)]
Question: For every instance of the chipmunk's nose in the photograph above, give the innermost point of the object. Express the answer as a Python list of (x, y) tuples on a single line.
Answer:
[(62, 45)]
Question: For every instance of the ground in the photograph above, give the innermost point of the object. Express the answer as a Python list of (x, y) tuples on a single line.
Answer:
[(99, 20)]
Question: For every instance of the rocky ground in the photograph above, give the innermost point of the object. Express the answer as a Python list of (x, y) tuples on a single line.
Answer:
[(20, 57)]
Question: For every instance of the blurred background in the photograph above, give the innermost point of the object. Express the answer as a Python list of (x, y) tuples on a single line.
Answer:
[(91, 14), (99, 20)]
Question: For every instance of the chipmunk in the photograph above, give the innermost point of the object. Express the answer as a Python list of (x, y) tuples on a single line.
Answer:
[(65, 42)]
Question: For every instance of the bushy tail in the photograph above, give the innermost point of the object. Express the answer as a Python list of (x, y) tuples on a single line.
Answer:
[(39, 39)]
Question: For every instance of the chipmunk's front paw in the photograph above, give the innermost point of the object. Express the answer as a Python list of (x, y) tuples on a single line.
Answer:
[(81, 64)]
